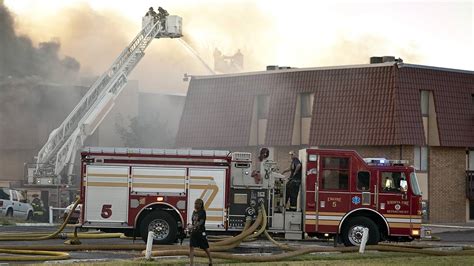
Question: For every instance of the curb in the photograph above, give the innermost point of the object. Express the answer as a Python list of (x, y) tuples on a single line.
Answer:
[(35, 224), (448, 226)]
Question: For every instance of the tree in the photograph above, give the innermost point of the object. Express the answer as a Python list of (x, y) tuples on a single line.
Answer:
[(145, 133)]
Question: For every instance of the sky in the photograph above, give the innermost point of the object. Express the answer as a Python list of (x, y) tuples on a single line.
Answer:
[(294, 33)]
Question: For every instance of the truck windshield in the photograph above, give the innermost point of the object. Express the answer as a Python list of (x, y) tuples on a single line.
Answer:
[(414, 184)]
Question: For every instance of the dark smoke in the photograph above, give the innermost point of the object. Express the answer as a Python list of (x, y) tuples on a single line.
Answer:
[(35, 94), (20, 59)]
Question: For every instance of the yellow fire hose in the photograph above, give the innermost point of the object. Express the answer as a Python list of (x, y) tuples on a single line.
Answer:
[(50, 252), (293, 251), (222, 245), (20, 237), (262, 229), (138, 247), (57, 233), (33, 255), (219, 238)]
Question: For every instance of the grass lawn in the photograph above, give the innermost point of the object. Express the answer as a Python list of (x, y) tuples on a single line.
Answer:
[(370, 258)]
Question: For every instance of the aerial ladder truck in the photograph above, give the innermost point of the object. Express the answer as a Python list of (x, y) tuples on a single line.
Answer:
[(56, 157)]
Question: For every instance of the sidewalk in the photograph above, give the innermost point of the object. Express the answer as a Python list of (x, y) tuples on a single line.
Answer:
[(456, 227)]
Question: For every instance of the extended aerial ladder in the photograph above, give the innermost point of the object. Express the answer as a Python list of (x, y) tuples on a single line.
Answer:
[(63, 143)]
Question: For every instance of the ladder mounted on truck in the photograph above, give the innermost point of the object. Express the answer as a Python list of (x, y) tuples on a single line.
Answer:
[(63, 142)]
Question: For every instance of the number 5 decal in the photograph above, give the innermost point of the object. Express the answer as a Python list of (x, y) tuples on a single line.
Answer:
[(106, 211)]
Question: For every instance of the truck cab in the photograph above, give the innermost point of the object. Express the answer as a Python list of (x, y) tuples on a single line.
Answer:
[(344, 193)]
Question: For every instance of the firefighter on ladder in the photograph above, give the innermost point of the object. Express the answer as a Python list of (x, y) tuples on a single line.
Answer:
[(294, 181), (162, 14)]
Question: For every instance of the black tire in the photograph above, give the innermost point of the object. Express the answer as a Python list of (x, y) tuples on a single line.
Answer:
[(29, 217), (9, 213), (166, 231), (352, 231)]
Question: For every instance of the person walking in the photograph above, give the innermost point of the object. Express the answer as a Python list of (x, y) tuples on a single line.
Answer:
[(198, 237)]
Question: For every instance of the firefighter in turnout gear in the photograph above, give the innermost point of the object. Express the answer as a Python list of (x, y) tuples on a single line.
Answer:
[(38, 207), (294, 181), (162, 14)]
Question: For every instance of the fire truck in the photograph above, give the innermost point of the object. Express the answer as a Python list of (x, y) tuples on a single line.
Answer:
[(341, 194)]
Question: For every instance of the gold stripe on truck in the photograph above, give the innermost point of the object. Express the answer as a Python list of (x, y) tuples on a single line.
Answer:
[(106, 184), (328, 222), (159, 176), (105, 175), (405, 225), (151, 185)]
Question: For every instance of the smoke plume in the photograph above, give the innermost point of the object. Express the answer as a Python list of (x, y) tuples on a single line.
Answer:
[(25, 70), (19, 58)]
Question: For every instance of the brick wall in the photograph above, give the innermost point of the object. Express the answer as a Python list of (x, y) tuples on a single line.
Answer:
[(447, 185)]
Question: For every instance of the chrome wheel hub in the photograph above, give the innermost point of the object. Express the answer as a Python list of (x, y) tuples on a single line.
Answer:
[(355, 234), (160, 229)]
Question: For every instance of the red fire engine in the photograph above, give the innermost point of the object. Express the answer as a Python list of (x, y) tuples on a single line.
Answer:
[(141, 190)]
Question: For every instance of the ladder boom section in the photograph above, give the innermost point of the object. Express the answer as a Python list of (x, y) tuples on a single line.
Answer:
[(70, 135)]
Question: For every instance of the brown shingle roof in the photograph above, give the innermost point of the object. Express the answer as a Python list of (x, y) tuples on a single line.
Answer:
[(362, 105), (452, 91)]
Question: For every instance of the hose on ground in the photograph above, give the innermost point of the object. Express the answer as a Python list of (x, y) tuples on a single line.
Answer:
[(278, 244), (33, 255), (219, 238), (222, 245), (77, 247), (302, 251), (57, 233), (28, 237), (295, 251)]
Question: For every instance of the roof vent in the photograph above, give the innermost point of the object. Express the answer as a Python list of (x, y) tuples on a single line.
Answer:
[(384, 59), (276, 67), (376, 59)]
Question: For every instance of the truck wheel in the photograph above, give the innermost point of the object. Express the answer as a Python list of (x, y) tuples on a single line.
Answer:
[(163, 224), (352, 231), (9, 212)]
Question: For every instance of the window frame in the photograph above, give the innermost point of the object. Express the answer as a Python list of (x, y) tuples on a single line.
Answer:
[(420, 158), (425, 102), (339, 170), (308, 111), (382, 186), (357, 181)]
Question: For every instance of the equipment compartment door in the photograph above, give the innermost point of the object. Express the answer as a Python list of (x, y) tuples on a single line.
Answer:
[(209, 185), (107, 193), (165, 180)]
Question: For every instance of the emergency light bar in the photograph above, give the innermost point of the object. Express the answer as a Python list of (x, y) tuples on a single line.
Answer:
[(383, 161)]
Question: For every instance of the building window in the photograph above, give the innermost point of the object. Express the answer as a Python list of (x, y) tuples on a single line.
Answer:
[(263, 105), (335, 174), (421, 158), (307, 104), (470, 160), (363, 181), (425, 103)]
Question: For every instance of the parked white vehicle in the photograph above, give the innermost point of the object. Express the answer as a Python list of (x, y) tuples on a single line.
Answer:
[(14, 204)]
